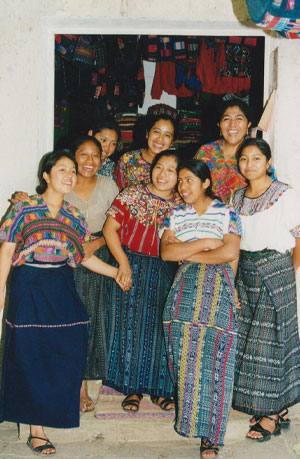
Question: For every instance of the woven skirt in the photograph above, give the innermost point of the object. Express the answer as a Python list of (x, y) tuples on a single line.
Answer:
[(200, 331), (92, 290), (137, 362), (45, 348), (267, 375)]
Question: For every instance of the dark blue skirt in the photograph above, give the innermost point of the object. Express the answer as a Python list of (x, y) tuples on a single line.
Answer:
[(45, 348)]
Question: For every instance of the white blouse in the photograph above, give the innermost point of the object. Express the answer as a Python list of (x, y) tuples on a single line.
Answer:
[(271, 221)]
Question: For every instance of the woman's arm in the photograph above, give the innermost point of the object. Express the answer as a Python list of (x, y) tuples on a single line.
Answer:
[(296, 254), (110, 233), (99, 266), (172, 249), (6, 252), (91, 247), (228, 252)]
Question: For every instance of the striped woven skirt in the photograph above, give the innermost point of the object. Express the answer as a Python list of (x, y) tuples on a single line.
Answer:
[(267, 376), (45, 348), (200, 330), (137, 362), (91, 288)]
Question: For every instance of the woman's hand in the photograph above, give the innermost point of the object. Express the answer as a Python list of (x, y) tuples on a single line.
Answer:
[(124, 275), (213, 243), (123, 286), (89, 249), (19, 196)]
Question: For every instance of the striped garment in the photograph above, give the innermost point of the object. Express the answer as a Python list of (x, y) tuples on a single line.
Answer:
[(267, 375), (200, 327), (200, 332), (137, 362), (42, 239)]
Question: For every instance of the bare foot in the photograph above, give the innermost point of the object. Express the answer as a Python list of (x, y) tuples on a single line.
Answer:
[(86, 403)]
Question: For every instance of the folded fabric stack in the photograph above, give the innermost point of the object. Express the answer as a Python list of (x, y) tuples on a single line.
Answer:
[(189, 126), (126, 122)]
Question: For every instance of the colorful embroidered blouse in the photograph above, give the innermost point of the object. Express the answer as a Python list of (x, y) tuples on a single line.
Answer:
[(107, 168), (270, 221), (132, 169), (141, 214), (41, 239), (219, 219), (224, 173)]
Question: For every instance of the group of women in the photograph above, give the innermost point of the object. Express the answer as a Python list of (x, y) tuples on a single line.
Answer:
[(177, 240)]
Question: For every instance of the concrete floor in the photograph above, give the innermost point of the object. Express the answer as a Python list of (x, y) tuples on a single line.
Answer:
[(147, 438)]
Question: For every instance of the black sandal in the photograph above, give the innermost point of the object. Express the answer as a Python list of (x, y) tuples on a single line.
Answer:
[(41, 448), (256, 418), (206, 445), (131, 402), (266, 434), (284, 423), (163, 405)]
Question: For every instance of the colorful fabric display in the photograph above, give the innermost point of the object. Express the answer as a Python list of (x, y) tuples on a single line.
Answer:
[(65, 45), (83, 53), (126, 122), (280, 15), (189, 126)]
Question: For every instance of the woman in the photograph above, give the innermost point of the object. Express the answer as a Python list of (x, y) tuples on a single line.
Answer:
[(133, 167), (92, 195), (107, 132), (234, 122), (199, 315), (137, 358), (46, 333), (267, 375)]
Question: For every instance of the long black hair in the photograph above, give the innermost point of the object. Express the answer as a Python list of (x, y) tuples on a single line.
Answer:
[(261, 144), (47, 162), (201, 170), (167, 153)]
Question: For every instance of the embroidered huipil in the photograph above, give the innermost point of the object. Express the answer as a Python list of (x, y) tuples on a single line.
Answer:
[(41, 239), (141, 214), (132, 169), (224, 173)]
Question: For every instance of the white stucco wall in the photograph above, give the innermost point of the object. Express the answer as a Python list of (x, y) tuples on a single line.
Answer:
[(26, 75)]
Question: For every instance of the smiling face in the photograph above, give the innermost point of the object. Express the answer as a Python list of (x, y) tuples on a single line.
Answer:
[(160, 136), (234, 125), (88, 158), (191, 188), (253, 164), (62, 177), (164, 176), (109, 141)]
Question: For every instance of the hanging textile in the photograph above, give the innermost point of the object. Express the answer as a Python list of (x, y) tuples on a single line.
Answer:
[(280, 15)]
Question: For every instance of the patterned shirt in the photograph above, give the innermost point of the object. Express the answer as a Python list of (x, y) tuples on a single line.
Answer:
[(107, 168), (41, 239), (219, 219), (141, 214), (224, 173), (132, 169)]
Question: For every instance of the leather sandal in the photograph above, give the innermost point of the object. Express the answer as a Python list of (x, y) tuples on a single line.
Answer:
[(41, 448), (127, 402), (284, 423), (265, 434), (206, 446), (254, 420), (164, 404)]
